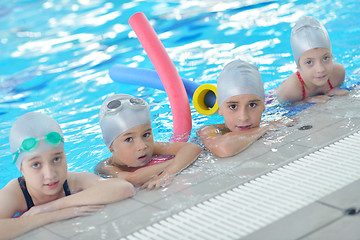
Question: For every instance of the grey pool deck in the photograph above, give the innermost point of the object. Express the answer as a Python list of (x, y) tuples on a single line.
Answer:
[(209, 176)]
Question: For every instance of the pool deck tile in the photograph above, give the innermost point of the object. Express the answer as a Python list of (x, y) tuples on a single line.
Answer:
[(318, 219), (346, 228), (110, 212), (347, 197), (298, 224), (210, 176), (41, 233)]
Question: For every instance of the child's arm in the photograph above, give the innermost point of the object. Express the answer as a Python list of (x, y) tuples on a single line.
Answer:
[(14, 227), (337, 79), (232, 143), (105, 168), (318, 99), (89, 190), (12, 201), (137, 177), (185, 153), (144, 174), (338, 92), (212, 130), (94, 190)]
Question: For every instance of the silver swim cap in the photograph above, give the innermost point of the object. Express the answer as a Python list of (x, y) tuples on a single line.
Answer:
[(239, 77), (120, 113), (308, 33), (34, 133)]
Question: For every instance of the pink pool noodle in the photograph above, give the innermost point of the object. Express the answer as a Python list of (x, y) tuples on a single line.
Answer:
[(170, 78)]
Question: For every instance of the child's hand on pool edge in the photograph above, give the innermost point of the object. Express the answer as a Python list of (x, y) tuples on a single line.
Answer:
[(162, 180), (66, 212)]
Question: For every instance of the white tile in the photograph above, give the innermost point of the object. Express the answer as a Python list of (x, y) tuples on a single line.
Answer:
[(186, 179), (330, 134), (298, 224), (197, 193), (180, 201), (347, 228), (215, 185), (122, 226), (136, 220), (73, 227), (345, 198), (40, 233), (344, 106), (271, 160)]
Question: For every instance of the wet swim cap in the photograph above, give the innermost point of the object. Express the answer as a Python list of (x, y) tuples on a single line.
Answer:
[(239, 77), (308, 33), (120, 113), (34, 126)]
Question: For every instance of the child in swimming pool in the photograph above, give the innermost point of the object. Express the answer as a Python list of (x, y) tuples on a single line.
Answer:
[(47, 192), (126, 129), (318, 77), (240, 95)]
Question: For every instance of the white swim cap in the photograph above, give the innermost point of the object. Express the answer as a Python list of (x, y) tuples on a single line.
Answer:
[(239, 77), (308, 33), (34, 133), (120, 113)]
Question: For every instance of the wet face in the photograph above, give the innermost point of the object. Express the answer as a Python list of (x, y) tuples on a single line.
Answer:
[(316, 66), (242, 112), (46, 172), (134, 148)]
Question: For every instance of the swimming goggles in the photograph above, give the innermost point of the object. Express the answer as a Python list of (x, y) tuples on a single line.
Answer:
[(117, 104), (30, 144)]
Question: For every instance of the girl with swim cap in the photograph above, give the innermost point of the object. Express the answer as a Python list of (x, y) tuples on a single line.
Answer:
[(126, 129), (47, 192), (318, 77), (240, 95)]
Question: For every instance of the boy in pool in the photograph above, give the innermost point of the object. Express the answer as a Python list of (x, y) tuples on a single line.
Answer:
[(47, 192), (240, 95), (318, 77), (126, 129)]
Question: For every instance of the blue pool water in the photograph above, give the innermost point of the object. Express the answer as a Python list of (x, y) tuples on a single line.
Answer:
[(55, 56)]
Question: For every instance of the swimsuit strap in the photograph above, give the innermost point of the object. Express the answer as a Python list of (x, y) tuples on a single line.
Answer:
[(331, 87), (28, 199), (302, 84), (66, 188)]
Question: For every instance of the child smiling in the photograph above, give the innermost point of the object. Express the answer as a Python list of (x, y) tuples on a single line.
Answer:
[(318, 77)]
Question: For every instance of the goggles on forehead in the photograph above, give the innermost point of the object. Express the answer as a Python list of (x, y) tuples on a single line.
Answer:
[(117, 104), (30, 144)]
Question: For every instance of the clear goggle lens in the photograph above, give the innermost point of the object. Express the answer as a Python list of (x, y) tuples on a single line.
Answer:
[(116, 104)]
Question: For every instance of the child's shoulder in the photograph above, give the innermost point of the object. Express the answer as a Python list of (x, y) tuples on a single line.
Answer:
[(12, 187), (338, 75), (102, 164), (107, 169), (290, 89), (11, 198), (165, 147), (212, 130)]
